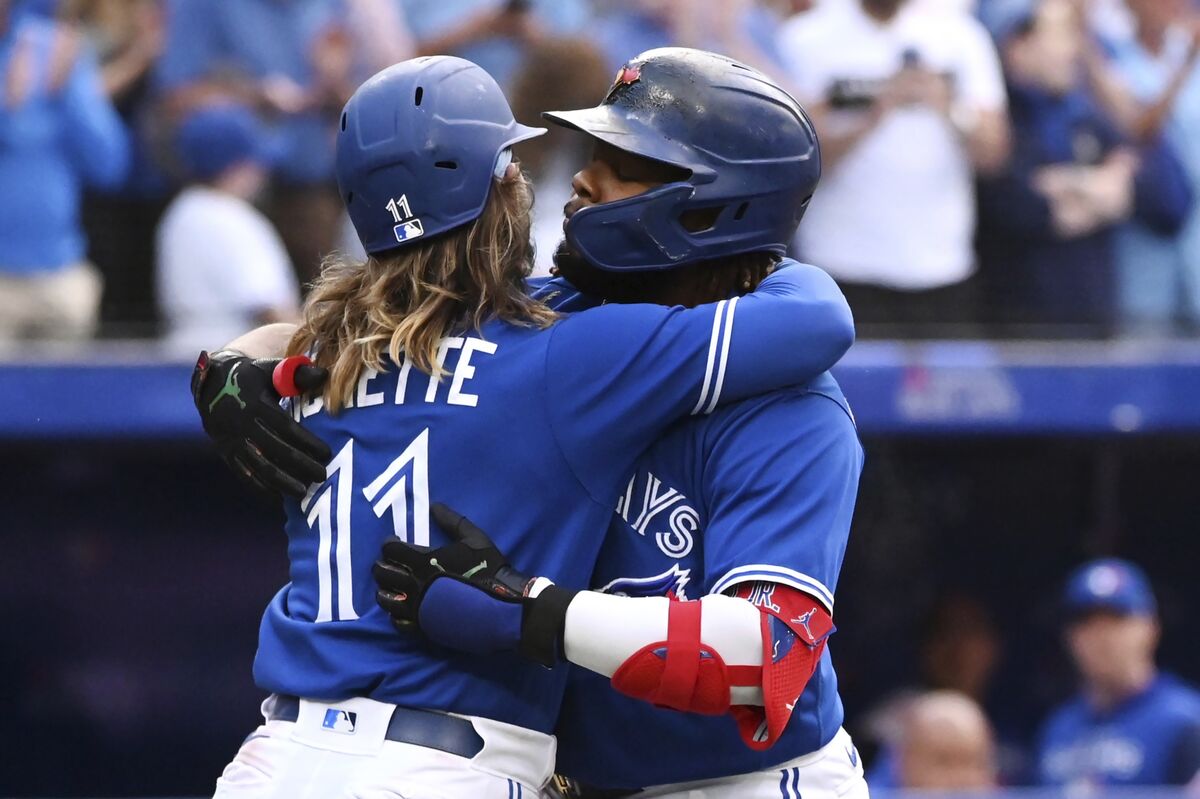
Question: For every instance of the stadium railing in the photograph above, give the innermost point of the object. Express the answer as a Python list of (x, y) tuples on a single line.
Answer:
[(895, 388)]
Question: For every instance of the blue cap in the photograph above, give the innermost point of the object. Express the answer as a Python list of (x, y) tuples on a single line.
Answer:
[(217, 137), (1004, 19), (1110, 584)]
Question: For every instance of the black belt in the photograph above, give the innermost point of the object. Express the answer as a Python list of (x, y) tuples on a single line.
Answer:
[(566, 788), (407, 726)]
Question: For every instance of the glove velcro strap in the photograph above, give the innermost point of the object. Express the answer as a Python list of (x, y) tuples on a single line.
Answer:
[(544, 622)]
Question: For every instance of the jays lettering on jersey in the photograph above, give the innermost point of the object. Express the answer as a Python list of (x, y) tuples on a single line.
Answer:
[(531, 434), (760, 491), (1151, 739)]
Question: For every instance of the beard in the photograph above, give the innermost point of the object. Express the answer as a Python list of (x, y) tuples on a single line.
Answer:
[(620, 287)]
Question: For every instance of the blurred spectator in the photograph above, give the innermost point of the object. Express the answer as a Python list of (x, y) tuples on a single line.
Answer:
[(946, 744), (1130, 725), (741, 29), (1048, 223), (222, 268), (380, 33), (556, 74), (58, 131), (908, 103), (1157, 93), (128, 36), (295, 62), (958, 655), (491, 33)]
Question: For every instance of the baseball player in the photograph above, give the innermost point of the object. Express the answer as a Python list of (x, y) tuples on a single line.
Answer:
[(1130, 725), (423, 166), (713, 593)]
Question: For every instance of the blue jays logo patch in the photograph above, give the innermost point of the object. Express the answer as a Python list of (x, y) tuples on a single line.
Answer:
[(669, 583)]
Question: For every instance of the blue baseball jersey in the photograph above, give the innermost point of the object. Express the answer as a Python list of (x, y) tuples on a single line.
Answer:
[(1150, 739), (531, 434), (762, 490)]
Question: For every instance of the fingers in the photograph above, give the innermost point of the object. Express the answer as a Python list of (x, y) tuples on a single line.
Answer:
[(277, 441), (414, 560), (243, 471), (458, 527), (395, 578), (253, 462)]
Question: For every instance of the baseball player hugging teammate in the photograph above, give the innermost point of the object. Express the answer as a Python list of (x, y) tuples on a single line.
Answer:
[(699, 656)]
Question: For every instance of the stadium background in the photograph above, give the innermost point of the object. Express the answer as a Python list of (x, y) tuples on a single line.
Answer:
[(136, 567)]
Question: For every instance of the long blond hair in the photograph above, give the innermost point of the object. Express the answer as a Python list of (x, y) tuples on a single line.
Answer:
[(406, 301)]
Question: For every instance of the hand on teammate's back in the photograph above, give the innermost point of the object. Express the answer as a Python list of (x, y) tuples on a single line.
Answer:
[(238, 401), (466, 596)]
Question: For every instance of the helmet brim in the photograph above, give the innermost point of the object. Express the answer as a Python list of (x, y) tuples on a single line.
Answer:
[(616, 127), (525, 133)]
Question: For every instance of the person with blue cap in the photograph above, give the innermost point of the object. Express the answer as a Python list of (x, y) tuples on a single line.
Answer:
[(1130, 724), (222, 267)]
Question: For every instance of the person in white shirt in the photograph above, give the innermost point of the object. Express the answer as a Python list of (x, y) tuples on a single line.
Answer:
[(909, 103), (222, 268)]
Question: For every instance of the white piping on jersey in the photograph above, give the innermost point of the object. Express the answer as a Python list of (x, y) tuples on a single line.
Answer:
[(712, 352), (724, 355), (775, 574)]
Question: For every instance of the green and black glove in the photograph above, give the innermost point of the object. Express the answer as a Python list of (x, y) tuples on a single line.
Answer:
[(466, 596), (238, 400)]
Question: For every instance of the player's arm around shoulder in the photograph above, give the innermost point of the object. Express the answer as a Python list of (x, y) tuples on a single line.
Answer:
[(632, 370)]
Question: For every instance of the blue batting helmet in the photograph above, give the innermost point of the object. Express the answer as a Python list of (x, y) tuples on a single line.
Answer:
[(419, 147), (750, 149)]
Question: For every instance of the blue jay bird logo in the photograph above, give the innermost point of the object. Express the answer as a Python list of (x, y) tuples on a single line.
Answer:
[(669, 583)]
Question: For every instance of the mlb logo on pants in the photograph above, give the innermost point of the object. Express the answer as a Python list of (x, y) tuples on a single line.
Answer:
[(340, 721)]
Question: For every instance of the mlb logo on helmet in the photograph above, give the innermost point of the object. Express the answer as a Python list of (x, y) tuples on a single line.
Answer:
[(342, 721), (409, 230)]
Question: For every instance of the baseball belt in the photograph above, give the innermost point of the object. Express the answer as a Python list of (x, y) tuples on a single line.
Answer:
[(425, 728)]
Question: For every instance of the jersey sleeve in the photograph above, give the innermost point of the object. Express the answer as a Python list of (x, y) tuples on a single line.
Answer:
[(780, 484), (618, 375)]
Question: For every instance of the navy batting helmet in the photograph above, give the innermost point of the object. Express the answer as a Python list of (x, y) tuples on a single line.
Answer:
[(750, 150), (419, 146)]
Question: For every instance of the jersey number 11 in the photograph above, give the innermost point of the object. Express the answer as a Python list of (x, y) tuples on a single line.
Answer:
[(402, 486)]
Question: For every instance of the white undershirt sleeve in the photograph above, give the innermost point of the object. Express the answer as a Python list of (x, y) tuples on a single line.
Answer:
[(603, 631)]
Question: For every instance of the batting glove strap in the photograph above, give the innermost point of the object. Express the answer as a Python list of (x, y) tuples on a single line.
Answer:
[(543, 625)]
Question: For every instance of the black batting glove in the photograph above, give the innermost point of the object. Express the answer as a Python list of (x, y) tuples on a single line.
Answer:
[(466, 596), (238, 401)]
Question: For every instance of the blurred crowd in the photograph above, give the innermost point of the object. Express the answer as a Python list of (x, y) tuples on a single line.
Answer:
[(1024, 167), (1129, 723)]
